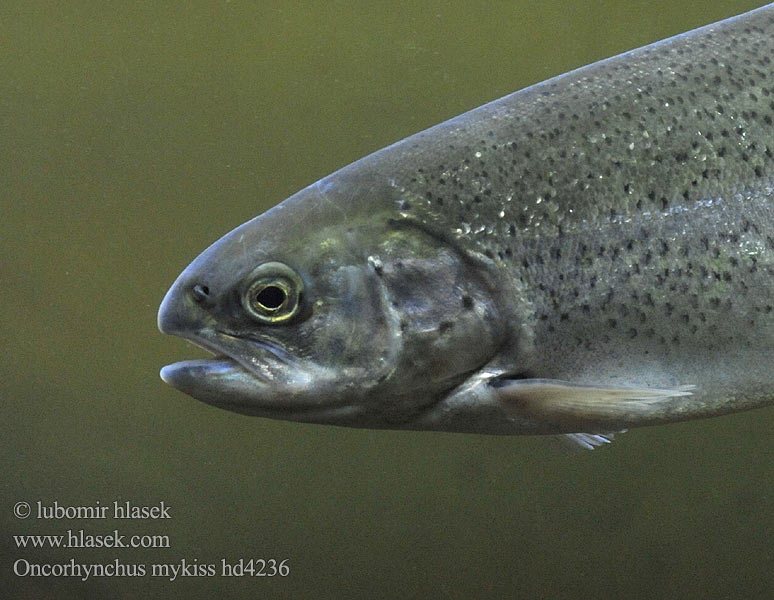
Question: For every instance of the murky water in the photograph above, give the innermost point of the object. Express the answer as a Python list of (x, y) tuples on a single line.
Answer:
[(134, 134)]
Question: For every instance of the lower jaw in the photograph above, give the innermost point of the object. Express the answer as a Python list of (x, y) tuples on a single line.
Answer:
[(183, 373), (221, 382)]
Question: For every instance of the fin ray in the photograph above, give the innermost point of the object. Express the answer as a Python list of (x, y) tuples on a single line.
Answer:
[(577, 407), (589, 441)]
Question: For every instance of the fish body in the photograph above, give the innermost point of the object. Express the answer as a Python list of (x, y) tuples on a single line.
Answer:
[(589, 254)]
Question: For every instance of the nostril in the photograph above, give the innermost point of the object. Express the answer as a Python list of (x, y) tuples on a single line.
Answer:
[(200, 293)]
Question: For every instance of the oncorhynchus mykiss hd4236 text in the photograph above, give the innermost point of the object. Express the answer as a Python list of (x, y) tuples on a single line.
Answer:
[(589, 254)]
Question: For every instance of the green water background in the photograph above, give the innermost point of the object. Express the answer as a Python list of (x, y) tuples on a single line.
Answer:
[(136, 133)]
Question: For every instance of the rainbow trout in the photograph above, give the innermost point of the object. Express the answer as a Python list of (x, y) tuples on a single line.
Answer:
[(589, 254)]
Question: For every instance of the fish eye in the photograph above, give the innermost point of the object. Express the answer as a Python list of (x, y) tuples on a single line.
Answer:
[(274, 293)]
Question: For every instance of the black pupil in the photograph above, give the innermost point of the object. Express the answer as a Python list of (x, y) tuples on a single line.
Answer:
[(271, 297)]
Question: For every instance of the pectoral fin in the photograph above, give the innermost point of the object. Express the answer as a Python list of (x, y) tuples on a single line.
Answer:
[(589, 441), (575, 408)]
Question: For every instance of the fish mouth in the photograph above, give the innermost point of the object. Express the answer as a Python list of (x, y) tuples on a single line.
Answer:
[(261, 359), (256, 377), (239, 373), (219, 381)]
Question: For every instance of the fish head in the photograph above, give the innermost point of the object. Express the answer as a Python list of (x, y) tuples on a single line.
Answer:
[(319, 313)]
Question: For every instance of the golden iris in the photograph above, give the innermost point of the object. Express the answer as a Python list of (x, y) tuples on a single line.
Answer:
[(274, 294)]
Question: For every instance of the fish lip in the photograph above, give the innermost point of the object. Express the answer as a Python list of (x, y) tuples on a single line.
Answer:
[(274, 385), (224, 383), (224, 346), (226, 380), (170, 374), (219, 381)]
